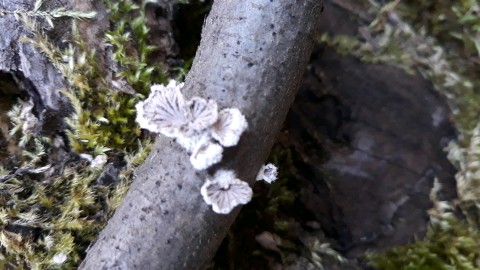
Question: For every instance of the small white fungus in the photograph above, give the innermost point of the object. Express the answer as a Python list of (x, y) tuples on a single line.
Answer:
[(205, 155), (267, 173), (164, 111), (193, 142), (59, 258), (143, 120), (229, 127), (224, 192), (195, 124), (204, 113)]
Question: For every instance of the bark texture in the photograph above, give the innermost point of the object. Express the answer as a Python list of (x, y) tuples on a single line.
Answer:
[(252, 56)]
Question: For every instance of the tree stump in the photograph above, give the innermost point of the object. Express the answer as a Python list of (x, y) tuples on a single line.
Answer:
[(370, 138)]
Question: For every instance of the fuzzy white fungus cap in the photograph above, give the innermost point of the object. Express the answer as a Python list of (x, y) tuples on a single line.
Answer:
[(143, 120), (59, 258), (224, 191), (193, 142), (195, 124), (205, 155), (229, 127), (204, 113), (268, 173), (164, 111)]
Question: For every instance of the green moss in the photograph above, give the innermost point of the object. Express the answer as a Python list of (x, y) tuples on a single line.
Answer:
[(109, 122), (452, 247), (48, 15), (51, 210), (450, 244), (132, 47), (438, 39)]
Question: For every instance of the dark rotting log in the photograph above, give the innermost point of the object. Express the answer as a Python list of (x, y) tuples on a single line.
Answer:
[(371, 140)]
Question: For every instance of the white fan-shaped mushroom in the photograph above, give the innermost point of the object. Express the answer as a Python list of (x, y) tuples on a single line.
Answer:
[(204, 113), (164, 111), (225, 191), (193, 124), (143, 120), (194, 142), (229, 127), (205, 155), (267, 173)]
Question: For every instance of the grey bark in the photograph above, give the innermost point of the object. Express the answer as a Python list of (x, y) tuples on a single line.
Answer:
[(252, 56)]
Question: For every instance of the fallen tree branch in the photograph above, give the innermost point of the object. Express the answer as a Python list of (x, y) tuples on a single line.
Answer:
[(252, 56)]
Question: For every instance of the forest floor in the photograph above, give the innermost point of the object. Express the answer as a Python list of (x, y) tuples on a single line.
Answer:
[(378, 157)]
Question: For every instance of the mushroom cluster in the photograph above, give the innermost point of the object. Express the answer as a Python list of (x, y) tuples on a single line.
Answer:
[(225, 191), (197, 125), (202, 131)]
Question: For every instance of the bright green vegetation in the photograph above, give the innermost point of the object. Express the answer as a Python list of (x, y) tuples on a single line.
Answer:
[(49, 211), (441, 40), (450, 244), (109, 122), (453, 248)]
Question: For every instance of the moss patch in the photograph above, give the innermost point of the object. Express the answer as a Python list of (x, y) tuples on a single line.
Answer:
[(53, 201)]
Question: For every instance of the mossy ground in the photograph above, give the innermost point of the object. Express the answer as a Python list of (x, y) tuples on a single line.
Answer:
[(53, 201)]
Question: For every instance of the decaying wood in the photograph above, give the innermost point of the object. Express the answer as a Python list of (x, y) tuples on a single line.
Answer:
[(369, 139), (252, 56)]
